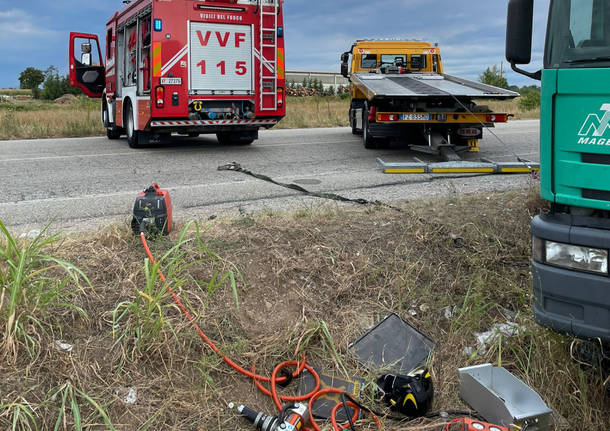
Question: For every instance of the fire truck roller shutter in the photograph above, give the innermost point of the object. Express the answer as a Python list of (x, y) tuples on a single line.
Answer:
[(221, 57)]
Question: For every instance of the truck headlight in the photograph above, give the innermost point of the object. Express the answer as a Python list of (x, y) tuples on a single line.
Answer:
[(570, 256)]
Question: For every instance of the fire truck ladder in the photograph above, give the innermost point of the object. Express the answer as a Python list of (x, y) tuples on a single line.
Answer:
[(268, 64)]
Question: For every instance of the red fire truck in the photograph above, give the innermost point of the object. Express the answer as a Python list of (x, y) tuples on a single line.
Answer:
[(188, 67)]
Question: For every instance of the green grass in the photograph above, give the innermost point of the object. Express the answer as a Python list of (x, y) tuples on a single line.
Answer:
[(32, 291), (70, 409)]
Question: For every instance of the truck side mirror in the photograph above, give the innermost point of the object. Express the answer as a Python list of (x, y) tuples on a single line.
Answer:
[(519, 24), (519, 31), (345, 65)]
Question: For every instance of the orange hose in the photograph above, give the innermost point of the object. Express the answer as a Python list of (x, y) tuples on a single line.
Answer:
[(273, 380)]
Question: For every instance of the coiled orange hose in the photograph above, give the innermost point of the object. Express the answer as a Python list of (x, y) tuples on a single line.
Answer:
[(274, 379)]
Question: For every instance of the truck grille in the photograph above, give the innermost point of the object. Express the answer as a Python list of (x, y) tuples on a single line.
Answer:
[(598, 195), (598, 159)]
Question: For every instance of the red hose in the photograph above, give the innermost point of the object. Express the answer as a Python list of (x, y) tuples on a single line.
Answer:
[(454, 421), (274, 379)]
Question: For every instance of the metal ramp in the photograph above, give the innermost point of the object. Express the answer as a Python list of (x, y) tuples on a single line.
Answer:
[(268, 55), (460, 167)]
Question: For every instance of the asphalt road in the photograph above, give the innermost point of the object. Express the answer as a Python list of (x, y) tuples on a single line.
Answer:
[(82, 182)]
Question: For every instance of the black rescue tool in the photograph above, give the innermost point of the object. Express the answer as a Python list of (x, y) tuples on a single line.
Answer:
[(411, 395), (152, 212)]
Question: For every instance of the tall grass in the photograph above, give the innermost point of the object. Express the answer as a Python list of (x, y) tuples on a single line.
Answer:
[(307, 112), (31, 288), (36, 120), (15, 92)]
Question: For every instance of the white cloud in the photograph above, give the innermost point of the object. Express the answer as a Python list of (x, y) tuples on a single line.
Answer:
[(19, 28)]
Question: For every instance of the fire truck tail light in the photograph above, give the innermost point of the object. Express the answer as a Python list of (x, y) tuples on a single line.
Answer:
[(158, 24), (160, 97), (497, 118), (280, 97)]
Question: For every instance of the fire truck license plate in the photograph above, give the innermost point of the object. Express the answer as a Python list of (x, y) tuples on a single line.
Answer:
[(171, 81), (415, 117), (220, 57)]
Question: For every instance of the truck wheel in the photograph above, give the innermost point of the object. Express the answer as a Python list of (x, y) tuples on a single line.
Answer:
[(352, 117), (232, 138), (370, 143), (135, 138), (112, 132)]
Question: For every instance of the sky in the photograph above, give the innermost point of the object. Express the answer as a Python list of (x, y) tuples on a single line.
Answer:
[(470, 33)]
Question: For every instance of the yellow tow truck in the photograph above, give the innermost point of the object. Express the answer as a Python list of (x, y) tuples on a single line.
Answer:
[(400, 92)]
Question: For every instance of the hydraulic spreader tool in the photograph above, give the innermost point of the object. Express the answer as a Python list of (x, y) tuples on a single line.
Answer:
[(292, 417)]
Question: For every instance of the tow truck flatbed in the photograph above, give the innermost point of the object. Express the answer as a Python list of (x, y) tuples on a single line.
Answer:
[(423, 85)]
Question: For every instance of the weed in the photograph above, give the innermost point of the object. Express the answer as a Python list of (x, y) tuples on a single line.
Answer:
[(30, 289), (319, 332), (70, 408), (20, 415), (145, 314)]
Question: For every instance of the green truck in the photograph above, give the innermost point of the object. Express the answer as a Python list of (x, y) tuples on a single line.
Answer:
[(571, 242)]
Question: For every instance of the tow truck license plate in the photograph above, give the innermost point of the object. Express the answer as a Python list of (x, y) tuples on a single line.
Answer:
[(415, 117)]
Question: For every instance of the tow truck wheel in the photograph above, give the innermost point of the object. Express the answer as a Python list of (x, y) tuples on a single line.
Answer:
[(370, 143), (352, 117), (135, 138)]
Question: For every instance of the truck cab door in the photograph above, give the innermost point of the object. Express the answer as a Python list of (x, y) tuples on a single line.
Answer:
[(87, 70)]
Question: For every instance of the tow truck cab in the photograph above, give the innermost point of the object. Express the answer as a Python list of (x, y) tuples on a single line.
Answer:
[(571, 242)]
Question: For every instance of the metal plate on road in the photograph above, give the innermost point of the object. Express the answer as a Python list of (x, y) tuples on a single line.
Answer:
[(415, 117), (171, 81)]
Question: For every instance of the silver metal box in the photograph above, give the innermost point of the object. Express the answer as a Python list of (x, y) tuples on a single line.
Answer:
[(502, 399)]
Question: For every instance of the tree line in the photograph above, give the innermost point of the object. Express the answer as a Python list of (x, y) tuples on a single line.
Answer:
[(530, 94), (46, 85)]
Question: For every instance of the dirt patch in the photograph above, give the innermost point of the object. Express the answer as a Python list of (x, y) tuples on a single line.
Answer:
[(346, 268), (66, 99)]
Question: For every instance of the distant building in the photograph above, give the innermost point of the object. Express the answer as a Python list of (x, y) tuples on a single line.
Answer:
[(328, 79)]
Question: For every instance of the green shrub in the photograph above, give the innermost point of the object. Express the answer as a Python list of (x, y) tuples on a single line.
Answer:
[(529, 101)]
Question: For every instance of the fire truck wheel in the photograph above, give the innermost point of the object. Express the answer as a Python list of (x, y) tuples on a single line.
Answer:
[(135, 138), (230, 138), (112, 132)]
